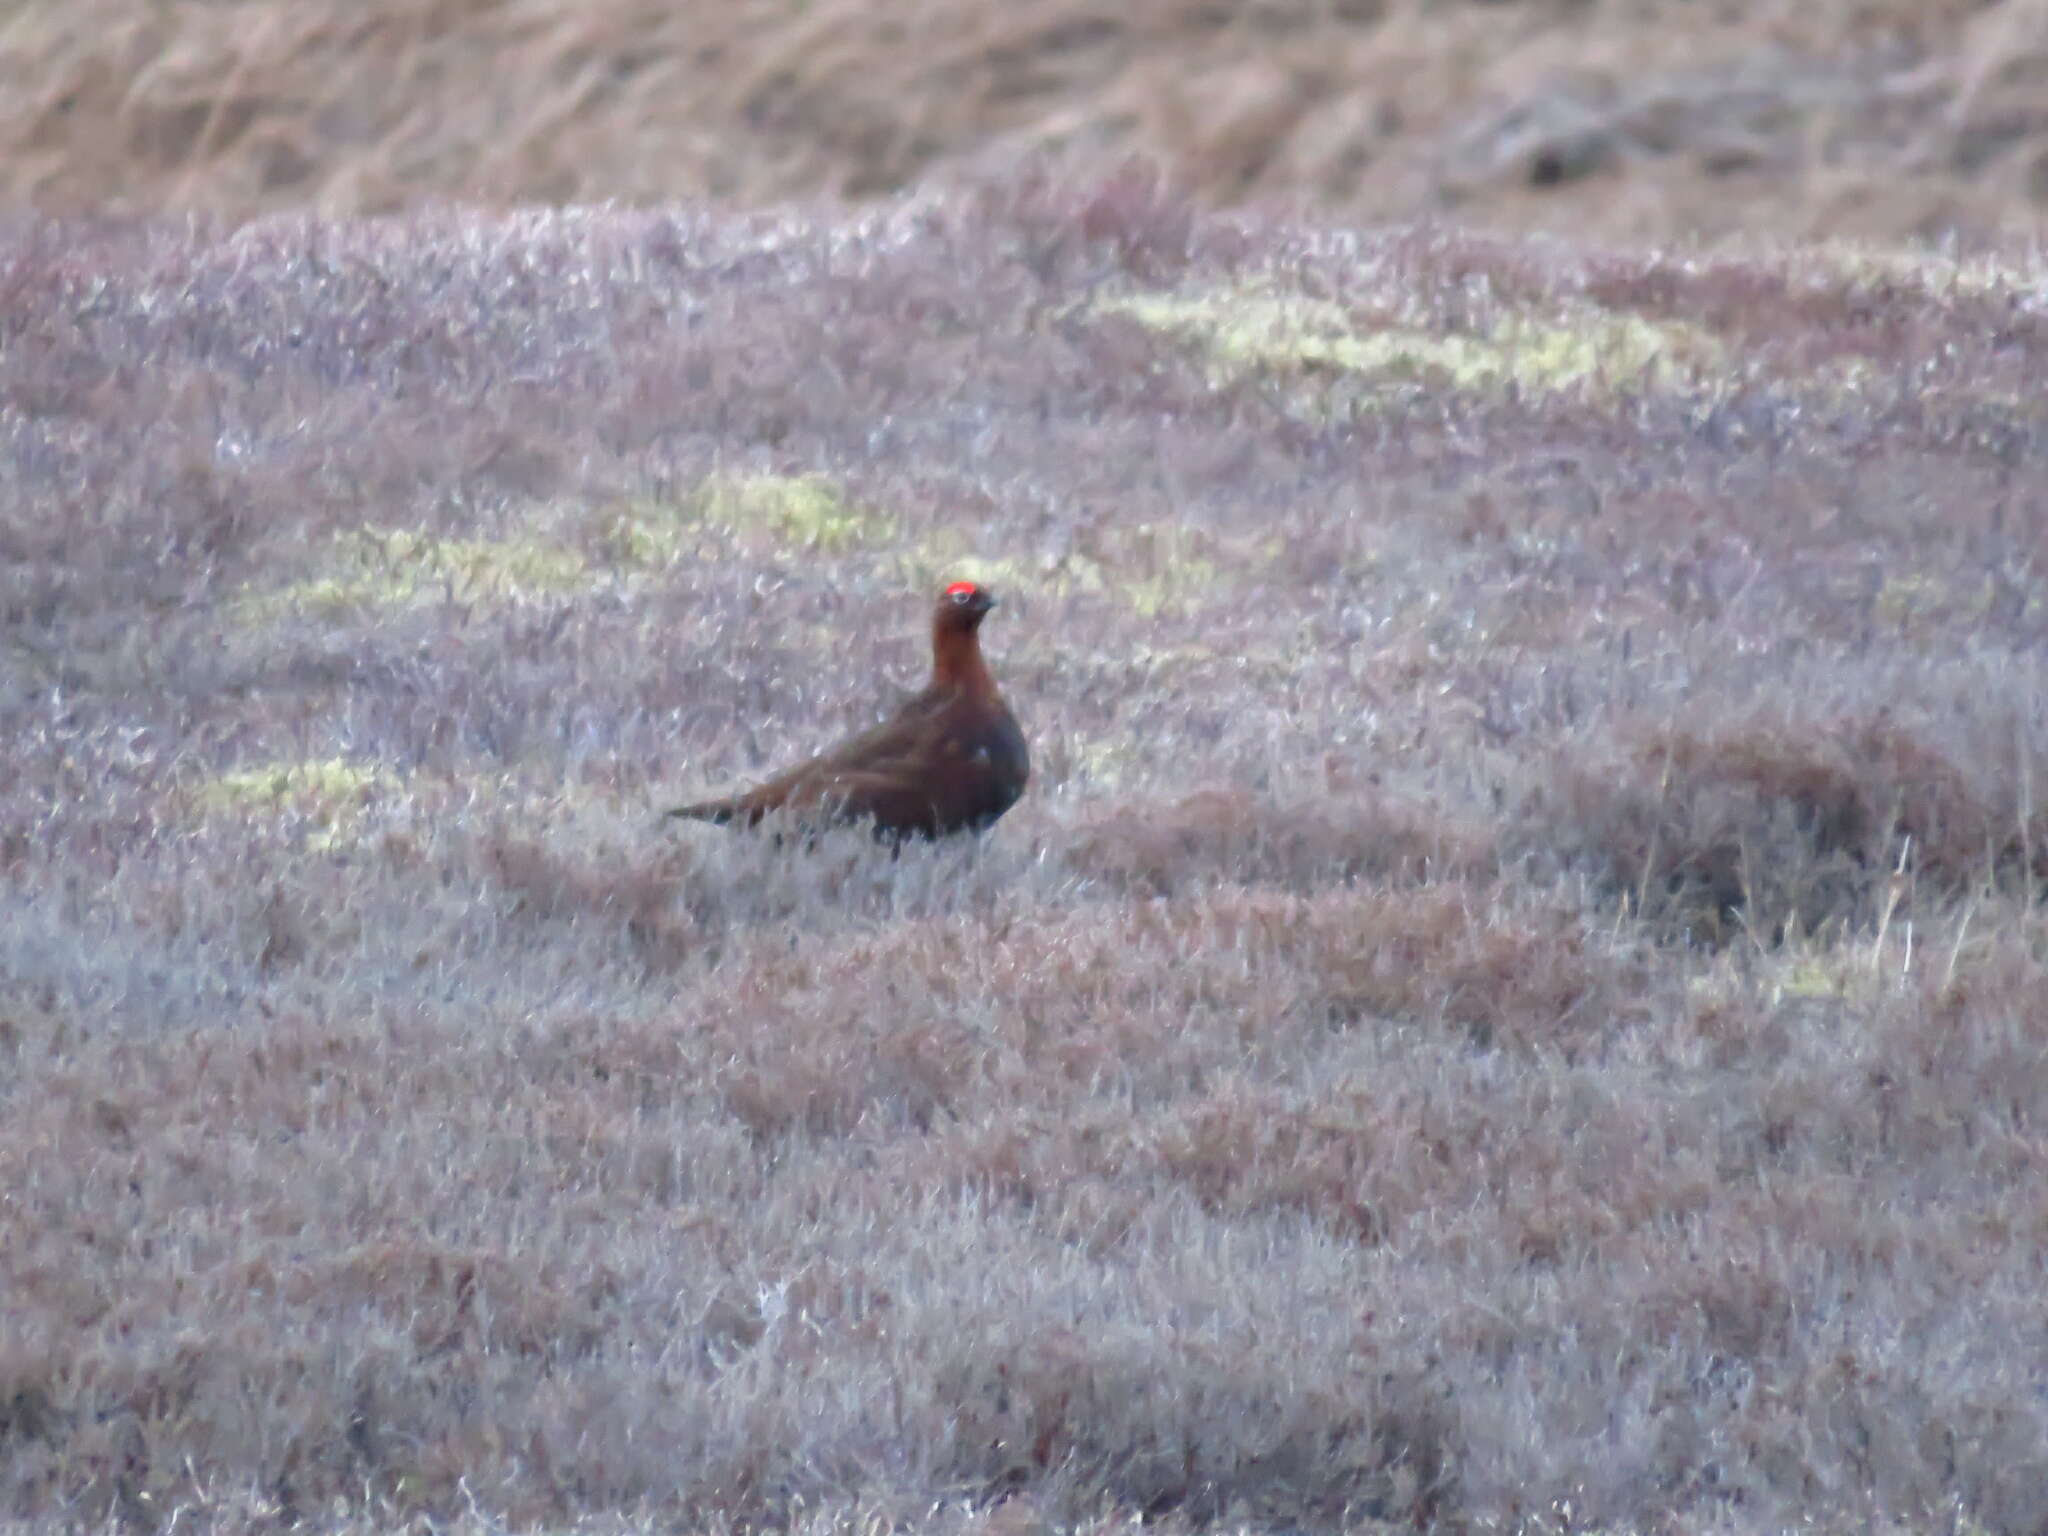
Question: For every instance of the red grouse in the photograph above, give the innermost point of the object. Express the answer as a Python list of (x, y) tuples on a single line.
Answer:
[(951, 760)]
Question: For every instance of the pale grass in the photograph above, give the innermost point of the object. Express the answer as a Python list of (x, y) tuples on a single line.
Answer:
[(1643, 119)]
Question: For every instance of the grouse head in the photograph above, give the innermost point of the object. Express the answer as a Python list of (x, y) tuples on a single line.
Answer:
[(962, 605)]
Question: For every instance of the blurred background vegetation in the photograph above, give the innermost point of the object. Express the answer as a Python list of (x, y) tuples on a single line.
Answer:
[(1633, 119)]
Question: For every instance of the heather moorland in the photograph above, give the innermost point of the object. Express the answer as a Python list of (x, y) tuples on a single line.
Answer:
[(1512, 999)]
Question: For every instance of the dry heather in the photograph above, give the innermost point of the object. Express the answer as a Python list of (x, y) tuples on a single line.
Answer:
[(1637, 118), (1514, 1000)]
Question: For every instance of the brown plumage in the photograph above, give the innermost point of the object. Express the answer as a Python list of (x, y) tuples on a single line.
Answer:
[(951, 760)]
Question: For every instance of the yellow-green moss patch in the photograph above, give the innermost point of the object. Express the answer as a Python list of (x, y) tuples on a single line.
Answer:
[(397, 567), (330, 793), (1267, 330), (1155, 569), (1933, 273), (1910, 601), (795, 512), (1102, 762)]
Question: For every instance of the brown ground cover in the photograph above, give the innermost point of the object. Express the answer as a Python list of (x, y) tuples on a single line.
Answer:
[(1514, 997), (1637, 118)]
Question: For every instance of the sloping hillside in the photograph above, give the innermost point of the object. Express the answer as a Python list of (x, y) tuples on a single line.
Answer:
[(1638, 119)]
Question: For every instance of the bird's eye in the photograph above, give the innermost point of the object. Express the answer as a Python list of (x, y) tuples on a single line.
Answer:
[(961, 597)]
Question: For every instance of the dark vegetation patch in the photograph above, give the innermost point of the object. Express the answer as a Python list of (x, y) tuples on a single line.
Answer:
[(1341, 836), (1513, 986), (1777, 818)]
